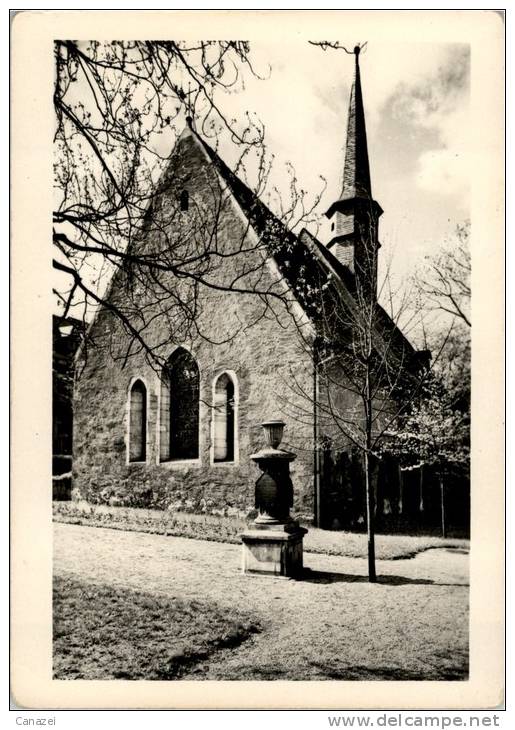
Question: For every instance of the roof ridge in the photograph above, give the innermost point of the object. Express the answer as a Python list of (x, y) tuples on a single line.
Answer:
[(330, 264), (233, 180)]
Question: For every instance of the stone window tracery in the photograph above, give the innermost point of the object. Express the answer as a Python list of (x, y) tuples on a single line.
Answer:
[(180, 400)]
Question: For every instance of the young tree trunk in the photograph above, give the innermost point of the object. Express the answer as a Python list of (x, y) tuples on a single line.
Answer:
[(369, 490), (401, 488), (442, 506), (421, 489), (370, 522)]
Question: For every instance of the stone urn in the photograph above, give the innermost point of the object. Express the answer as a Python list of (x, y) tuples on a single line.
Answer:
[(273, 545), (274, 489), (273, 433)]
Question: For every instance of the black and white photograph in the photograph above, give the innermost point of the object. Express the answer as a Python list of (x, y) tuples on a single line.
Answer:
[(260, 310)]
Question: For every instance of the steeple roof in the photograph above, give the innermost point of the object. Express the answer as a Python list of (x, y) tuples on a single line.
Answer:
[(356, 190), (356, 173)]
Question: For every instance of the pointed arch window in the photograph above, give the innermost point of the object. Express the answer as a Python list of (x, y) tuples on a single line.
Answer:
[(180, 392), (185, 200), (138, 422), (224, 419)]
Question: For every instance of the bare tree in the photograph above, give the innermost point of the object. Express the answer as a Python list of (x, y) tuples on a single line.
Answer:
[(435, 429), (117, 105), (367, 373), (444, 279)]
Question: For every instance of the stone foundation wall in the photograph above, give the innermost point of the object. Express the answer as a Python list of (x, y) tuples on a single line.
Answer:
[(101, 471)]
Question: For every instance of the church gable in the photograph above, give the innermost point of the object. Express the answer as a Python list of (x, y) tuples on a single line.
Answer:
[(175, 427), (199, 247)]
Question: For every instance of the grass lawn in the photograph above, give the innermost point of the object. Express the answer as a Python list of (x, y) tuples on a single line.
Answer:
[(102, 632), (228, 529), (130, 604), (388, 547)]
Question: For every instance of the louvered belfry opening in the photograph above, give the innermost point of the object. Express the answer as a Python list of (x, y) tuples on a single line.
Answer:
[(184, 200), (180, 394)]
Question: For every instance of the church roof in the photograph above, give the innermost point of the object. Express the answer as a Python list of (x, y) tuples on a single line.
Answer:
[(288, 250), (292, 252)]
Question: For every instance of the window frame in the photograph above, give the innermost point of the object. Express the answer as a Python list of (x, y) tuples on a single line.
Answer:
[(171, 463), (236, 435), (135, 379)]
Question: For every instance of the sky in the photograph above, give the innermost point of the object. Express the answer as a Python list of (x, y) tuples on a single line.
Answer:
[(416, 98)]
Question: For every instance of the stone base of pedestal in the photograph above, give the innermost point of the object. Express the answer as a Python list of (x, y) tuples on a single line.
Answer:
[(276, 550)]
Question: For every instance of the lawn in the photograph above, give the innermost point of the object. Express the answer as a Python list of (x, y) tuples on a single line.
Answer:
[(228, 529), (181, 608), (103, 632)]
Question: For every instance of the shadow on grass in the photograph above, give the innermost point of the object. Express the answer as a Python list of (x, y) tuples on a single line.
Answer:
[(459, 551), (104, 632), (357, 672), (444, 665), (395, 674), (321, 576)]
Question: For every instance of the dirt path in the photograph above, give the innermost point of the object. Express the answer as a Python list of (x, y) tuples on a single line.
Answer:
[(333, 624)]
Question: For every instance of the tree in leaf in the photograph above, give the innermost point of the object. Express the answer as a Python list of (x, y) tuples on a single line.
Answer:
[(434, 432)]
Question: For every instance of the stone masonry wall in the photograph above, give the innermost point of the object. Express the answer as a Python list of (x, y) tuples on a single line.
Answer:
[(267, 356)]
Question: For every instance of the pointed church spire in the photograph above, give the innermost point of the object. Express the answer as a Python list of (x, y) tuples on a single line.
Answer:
[(354, 217), (356, 173)]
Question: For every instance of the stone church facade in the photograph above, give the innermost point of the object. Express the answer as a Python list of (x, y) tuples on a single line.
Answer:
[(179, 436)]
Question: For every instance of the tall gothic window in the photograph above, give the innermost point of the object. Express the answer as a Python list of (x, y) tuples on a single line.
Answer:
[(180, 391), (138, 422), (224, 419)]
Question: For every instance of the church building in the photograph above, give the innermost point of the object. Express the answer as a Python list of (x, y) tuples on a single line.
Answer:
[(175, 430)]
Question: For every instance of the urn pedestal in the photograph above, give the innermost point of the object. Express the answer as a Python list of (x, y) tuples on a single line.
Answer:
[(273, 545), (273, 552)]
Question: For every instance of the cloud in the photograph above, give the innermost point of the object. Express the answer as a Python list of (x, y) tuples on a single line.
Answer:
[(446, 169), (438, 103)]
